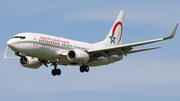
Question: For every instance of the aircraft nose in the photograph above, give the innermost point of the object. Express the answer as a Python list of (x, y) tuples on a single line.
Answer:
[(12, 46), (9, 43)]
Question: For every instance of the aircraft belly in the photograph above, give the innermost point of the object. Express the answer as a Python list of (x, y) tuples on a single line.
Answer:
[(27, 49), (46, 52)]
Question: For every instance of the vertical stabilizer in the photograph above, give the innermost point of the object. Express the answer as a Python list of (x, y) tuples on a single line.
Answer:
[(115, 35)]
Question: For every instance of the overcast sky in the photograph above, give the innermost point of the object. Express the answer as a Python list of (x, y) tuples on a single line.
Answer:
[(146, 76)]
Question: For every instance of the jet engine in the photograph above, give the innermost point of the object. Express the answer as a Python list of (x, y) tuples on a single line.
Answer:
[(78, 56), (30, 62)]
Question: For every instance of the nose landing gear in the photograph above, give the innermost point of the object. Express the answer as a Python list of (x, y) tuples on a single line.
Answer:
[(84, 68), (55, 71)]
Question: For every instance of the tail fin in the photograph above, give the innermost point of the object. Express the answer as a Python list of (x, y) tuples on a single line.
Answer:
[(116, 33)]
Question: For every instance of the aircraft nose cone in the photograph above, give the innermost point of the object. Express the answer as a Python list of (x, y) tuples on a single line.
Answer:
[(12, 46), (9, 43)]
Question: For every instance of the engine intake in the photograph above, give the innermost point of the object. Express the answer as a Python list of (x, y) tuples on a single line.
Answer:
[(30, 62), (78, 56)]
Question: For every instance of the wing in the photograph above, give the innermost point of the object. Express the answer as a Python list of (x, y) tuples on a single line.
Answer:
[(127, 48)]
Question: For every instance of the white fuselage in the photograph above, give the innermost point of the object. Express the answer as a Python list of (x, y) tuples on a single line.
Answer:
[(36, 49), (52, 48)]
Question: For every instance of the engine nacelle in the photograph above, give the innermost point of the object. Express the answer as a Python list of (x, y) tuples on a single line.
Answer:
[(30, 62), (78, 56)]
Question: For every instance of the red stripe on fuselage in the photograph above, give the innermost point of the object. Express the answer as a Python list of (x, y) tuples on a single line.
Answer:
[(42, 44)]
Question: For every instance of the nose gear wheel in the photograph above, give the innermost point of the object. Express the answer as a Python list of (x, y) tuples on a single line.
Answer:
[(84, 68), (55, 71)]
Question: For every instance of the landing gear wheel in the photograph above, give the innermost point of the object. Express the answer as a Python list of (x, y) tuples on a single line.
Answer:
[(58, 71), (86, 68), (53, 72), (82, 69)]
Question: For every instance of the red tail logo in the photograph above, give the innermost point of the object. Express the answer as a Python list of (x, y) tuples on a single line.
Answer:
[(113, 32)]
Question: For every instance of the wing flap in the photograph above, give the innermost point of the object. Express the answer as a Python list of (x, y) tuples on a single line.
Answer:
[(140, 50)]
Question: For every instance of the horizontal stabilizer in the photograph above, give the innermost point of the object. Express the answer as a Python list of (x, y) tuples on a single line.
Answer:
[(135, 51)]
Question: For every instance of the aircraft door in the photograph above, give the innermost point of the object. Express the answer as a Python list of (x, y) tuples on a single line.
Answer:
[(34, 48), (35, 40)]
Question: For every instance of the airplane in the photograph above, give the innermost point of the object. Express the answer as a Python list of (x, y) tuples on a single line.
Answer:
[(34, 49)]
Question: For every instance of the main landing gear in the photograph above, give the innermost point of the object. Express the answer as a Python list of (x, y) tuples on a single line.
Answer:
[(55, 71), (84, 68)]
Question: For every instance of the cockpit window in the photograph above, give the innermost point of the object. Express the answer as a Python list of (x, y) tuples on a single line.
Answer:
[(16, 37), (21, 37)]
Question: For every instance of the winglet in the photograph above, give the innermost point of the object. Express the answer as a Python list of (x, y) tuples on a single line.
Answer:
[(173, 33), (6, 54)]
